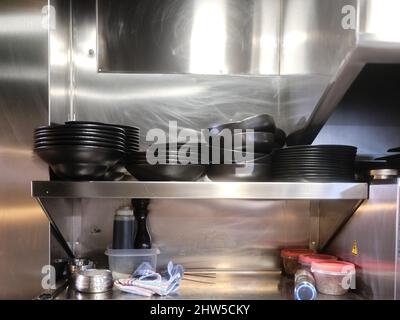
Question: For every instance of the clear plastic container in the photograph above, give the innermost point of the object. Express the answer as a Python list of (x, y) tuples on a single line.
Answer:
[(305, 260), (333, 277), (290, 259), (123, 262)]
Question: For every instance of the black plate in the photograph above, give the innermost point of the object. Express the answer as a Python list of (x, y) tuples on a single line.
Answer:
[(228, 172), (313, 175), (78, 131), (313, 155), (166, 161), (134, 147), (79, 138), (313, 167), (71, 126), (313, 179), (315, 158), (310, 172), (178, 146), (146, 172), (315, 164), (323, 147), (80, 143), (90, 123)]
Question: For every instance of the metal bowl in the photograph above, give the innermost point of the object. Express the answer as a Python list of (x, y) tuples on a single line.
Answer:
[(93, 281)]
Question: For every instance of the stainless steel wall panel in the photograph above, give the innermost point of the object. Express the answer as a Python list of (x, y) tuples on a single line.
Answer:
[(373, 229), (189, 36), (60, 63), (313, 39), (151, 100), (24, 230), (234, 235)]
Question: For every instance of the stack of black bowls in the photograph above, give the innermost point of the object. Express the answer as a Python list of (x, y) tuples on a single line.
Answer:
[(314, 163), (167, 162), (230, 158), (82, 151)]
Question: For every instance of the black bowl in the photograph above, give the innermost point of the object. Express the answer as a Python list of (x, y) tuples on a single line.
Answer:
[(146, 172), (263, 142), (262, 123), (235, 156), (239, 172), (79, 162), (280, 137)]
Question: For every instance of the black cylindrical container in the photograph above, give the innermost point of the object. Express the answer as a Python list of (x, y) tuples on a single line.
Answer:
[(124, 224)]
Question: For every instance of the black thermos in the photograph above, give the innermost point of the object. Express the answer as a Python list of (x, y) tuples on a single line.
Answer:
[(124, 226)]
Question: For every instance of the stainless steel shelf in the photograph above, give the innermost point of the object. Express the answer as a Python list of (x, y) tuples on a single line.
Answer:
[(223, 285), (200, 190)]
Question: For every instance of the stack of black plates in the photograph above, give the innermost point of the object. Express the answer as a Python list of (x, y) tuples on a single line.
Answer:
[(131, 133), (233, 150), (180, 162), (80, 151), (319, 163)]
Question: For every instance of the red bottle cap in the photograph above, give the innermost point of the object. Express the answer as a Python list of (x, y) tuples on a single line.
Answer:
[(295, 253)]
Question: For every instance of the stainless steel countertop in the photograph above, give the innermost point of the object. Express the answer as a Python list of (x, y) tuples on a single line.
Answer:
[(221, 286)]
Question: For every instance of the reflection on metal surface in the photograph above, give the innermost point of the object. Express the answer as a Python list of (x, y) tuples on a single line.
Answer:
[(24, 231), (382, 19), (374, 227), (191, 36), (208, 37), (228, 286), (200, 190), (314, 42)]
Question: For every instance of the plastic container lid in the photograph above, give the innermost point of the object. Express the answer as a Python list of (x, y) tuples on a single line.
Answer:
[(333, 266), (295, 253), (131, 252), (309, 258), (124, 211)]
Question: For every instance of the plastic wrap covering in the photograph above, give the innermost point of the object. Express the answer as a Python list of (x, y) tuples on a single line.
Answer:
[(195, 102)]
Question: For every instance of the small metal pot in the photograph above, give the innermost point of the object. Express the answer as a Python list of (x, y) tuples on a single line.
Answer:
[(93, 281)]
